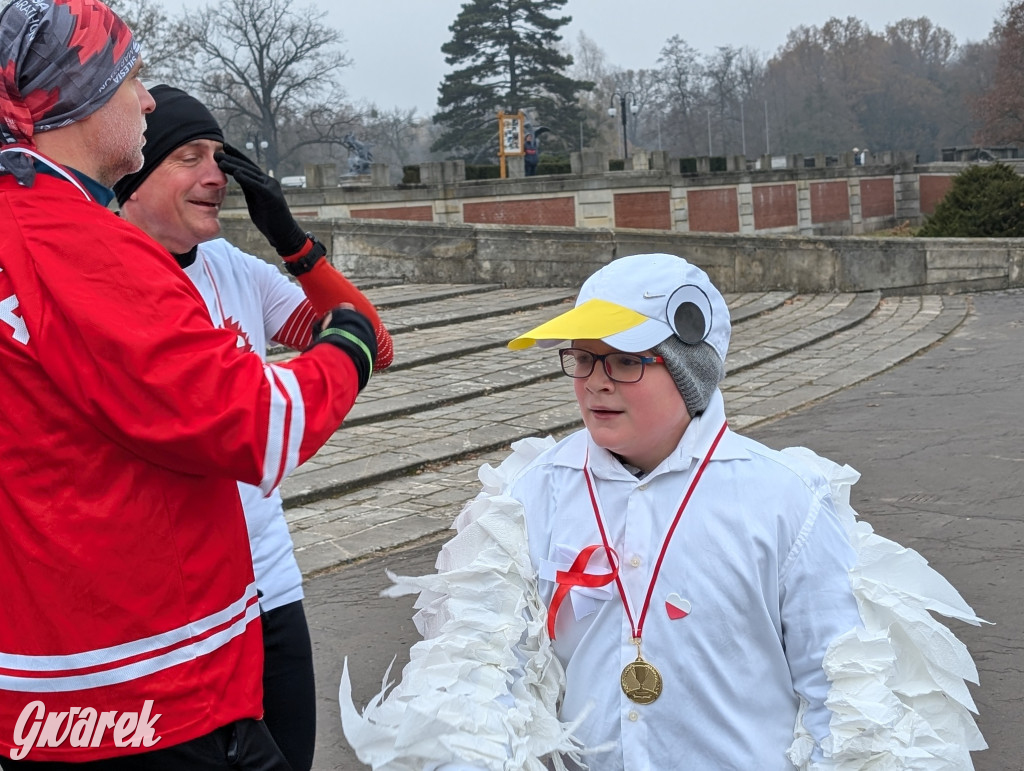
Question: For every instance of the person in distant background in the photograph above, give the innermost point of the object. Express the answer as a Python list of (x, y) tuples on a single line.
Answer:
[(530, 154), (176, 199)]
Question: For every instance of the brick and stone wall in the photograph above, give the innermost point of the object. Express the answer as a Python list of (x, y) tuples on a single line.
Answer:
[(536, 211), (774, 207), (647, 211), (549, 256), (714, 211), (830, 202), (411, 213), (933, 189), (823, 200), (877, 198)]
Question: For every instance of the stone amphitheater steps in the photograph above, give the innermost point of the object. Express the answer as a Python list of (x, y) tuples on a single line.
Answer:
[(460, 338), (440, 329), (407, 457), (465, 308), (403, 402), (397, 295), (749, 304), (898, 328), (479, 373), (801, 321), (415, 347)]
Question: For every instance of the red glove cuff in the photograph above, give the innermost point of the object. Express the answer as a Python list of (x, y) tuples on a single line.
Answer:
[(306, 249), (326, 289)]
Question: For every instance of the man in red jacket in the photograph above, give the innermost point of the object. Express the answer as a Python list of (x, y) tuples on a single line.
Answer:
[(130, 634), (176, 198)]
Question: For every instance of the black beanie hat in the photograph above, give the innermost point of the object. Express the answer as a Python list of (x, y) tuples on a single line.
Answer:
[(177, 119)]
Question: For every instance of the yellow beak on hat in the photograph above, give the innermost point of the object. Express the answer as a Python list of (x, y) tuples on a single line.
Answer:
[(592, 320)]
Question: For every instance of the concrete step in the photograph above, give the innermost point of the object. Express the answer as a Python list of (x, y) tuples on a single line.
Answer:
[(427, 324), (749, 304), (461, 331), (400, 295), (800, 321), (439, 313)]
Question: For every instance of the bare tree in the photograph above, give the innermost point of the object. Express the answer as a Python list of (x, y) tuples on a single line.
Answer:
[(590, 64), (1001, 107), (393, 132), (721, 73), (681, 91), (823, 85), (926, 45), (155, 33), (263, 64), (969, 76)]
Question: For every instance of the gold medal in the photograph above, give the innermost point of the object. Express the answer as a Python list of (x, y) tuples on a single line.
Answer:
[(640, 680)]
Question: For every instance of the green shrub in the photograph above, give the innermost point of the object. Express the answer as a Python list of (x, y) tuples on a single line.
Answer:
[(487, 171), (687, 165), (616, 164), (411, 175), (984, 202), (552, 164), (719, 163)]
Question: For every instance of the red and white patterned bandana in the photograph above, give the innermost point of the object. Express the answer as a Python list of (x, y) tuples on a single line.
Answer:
[(61, 61)]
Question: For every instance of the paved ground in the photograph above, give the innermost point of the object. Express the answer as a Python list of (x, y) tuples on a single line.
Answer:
[(937, 438)]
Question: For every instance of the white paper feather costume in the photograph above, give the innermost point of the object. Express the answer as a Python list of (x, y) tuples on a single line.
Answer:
[(475, 613), (897, 696)]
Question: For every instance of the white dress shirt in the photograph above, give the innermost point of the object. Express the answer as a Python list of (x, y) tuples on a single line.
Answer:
[(760, 559)]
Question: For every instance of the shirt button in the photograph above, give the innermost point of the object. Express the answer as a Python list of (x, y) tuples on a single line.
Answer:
[(642, 487), (633, 716), (635, 561)]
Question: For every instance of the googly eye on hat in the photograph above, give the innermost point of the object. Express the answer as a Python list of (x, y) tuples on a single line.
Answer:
[(690, 314), (636, 302)]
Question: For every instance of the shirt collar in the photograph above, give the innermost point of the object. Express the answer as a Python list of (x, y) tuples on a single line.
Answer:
[(102, 194), (701, 433)]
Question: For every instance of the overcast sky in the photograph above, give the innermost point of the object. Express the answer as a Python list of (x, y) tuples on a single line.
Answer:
[(395, 45)]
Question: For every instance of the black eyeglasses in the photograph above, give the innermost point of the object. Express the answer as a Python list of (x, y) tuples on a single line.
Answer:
[(620, 367)]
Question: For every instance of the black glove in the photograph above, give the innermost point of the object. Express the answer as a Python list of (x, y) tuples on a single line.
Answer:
[(352, 332), (267, 207)]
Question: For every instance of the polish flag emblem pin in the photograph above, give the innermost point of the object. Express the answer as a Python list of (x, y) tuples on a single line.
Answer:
[(677, 607)]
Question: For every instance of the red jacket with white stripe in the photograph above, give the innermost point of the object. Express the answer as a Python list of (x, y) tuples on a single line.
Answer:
[(126, 418)]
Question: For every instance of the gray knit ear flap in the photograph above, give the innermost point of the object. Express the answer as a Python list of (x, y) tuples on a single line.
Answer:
[(696, 369)]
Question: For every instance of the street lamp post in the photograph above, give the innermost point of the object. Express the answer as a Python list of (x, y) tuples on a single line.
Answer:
[(622, 106), (256, 143)]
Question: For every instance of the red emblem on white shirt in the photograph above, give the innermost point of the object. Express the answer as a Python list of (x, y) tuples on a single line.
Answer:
[(677, 607), (243, 339)]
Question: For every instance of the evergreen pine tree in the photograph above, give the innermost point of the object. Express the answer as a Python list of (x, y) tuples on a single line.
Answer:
[(506, 57)]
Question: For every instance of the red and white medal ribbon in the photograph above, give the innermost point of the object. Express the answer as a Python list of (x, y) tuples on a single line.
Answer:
[(576, 576)]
